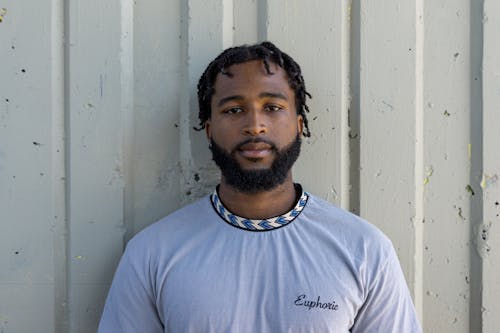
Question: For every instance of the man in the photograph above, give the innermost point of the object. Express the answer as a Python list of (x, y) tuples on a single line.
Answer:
[(259, 254)]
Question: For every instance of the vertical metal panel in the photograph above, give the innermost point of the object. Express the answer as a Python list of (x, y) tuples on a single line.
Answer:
[(389, 119), (95, 155), (152, 143), (59, 184), (488, 237), (448, 187), (29, 139)]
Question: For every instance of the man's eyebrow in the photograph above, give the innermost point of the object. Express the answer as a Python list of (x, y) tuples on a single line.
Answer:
[(278, 95), (273, 95), (224, 100)]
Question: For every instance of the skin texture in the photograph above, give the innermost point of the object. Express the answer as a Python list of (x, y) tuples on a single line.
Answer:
[(252, 104)]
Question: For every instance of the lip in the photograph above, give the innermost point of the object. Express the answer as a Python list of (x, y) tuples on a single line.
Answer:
[(255, 150)]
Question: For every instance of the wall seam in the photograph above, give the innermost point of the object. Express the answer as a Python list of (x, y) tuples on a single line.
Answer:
[(60, 153), (263, 19), (127, 103), (417, 287), (353, 109), (345, 77), (476, 266), (184, 104)]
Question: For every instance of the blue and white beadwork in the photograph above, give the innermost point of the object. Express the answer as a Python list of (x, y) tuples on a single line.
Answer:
[(258, 225)]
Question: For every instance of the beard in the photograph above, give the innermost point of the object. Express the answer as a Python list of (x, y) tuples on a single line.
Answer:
[(254, 181)]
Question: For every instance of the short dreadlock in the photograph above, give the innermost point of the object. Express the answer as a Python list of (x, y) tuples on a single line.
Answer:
[(265, 51)]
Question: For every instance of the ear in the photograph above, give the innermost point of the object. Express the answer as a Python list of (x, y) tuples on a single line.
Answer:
[(208, 130), (300, 124)]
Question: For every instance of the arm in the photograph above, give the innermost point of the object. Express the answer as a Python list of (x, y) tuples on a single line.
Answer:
[(130, 305)]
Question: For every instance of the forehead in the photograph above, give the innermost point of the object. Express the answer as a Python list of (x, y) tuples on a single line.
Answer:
[(252, 75)]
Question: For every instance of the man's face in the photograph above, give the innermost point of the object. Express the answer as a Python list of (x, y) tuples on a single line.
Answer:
[(254, 124)]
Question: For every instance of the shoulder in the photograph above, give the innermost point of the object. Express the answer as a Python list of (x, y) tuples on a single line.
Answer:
[(173, 228), (344, 223), (356, 242)]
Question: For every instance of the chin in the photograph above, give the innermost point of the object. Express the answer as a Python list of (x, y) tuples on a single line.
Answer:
[(254, 165)]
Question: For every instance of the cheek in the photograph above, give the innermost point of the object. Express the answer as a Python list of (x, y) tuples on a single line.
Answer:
[(221, 135), (290, 126)]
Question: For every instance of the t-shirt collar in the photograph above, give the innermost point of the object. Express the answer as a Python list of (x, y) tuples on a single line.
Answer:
[(259, 225)]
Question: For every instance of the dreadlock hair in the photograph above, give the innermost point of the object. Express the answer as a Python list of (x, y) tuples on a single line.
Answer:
[(265, 51)]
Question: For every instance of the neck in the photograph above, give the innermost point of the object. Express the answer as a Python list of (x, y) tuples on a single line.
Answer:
[(260, 205)]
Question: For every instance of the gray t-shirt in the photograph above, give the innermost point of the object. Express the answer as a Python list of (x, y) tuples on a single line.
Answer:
[(203, 269)]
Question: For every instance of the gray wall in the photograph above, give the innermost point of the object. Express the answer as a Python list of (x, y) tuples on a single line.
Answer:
[(97, 105)]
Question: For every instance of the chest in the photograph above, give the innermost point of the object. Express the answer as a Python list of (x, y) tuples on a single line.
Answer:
[(246, 287)]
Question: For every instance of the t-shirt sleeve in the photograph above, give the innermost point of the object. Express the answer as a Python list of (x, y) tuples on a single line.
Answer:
[(130, 305), (388, 306)]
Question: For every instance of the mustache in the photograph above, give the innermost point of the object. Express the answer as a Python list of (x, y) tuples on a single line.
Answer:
[(255, 140)]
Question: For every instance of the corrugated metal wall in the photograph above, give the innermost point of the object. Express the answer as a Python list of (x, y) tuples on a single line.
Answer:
[(97, 105)]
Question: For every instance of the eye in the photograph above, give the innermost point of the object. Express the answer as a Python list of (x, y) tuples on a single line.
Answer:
[(273, 108), (233, 110)]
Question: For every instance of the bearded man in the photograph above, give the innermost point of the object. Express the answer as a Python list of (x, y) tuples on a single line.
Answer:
[(259, 254)]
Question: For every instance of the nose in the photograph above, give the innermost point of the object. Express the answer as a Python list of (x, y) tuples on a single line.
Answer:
[(255, 123)]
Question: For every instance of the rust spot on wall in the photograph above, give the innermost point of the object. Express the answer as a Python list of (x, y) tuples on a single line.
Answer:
[(460, 212), (352, 135), (483, 236), (470, 189)]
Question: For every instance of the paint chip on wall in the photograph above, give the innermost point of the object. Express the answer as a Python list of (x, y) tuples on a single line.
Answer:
[(488, 180), (3, 12), (428, 173)]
